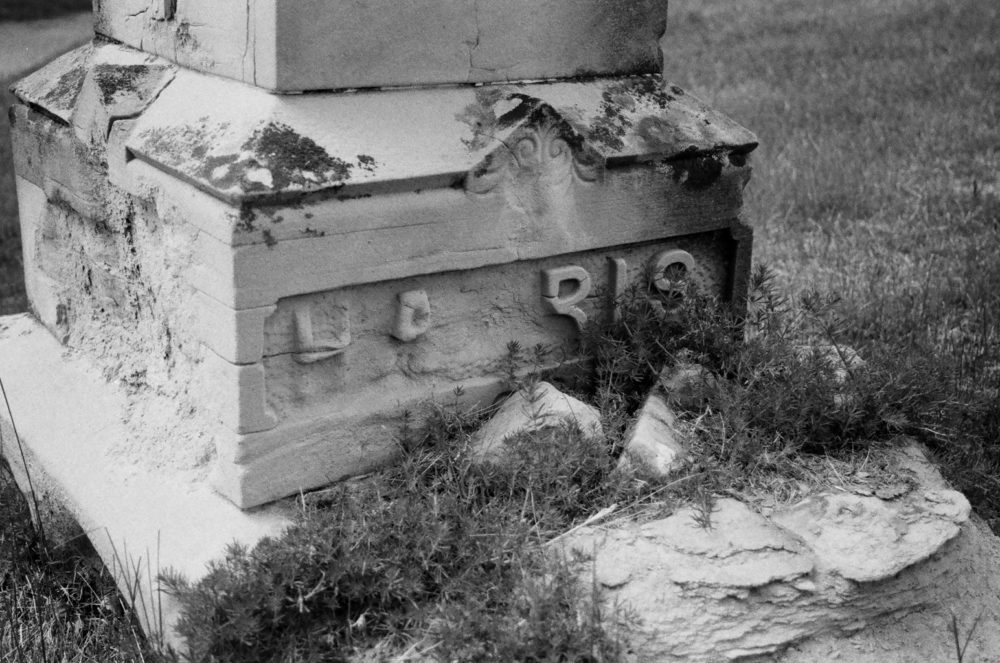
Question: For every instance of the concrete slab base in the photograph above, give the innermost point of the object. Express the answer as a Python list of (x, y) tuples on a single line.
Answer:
[(140, 519)]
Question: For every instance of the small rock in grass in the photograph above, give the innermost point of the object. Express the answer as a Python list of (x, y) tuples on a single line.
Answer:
[(540, 406), (654, 442), (688, 385)]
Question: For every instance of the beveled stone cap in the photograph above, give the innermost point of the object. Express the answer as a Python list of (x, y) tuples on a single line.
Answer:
[(259, 148), (300, 45)]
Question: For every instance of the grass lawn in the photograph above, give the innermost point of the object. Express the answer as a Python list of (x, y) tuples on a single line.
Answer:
[(877, 178), (30, 10)]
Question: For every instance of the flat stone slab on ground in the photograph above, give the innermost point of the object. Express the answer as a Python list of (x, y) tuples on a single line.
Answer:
[(752, 585), (139, 518)]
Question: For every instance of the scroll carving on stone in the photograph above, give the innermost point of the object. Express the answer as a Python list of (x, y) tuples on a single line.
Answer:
[(549, 153)]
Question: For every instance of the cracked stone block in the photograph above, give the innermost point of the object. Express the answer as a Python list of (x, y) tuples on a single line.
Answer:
[(294, 45), (532, 409)]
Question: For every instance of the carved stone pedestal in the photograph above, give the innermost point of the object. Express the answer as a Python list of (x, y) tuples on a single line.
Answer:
[(274, 279)]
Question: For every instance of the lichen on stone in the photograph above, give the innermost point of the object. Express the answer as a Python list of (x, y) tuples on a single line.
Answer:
[(114, 79), (66, 88)]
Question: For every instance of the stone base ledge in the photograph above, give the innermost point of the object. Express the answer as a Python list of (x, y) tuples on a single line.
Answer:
[(140, 520)]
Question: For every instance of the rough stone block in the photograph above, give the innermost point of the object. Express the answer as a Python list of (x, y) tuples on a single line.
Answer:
[(379, 43), (289, 274), (750, 585), (142, 513)]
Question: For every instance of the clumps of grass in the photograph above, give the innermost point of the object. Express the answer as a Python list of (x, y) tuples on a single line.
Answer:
[(447, 557), (766, 384), (56, 602), (437, 546)]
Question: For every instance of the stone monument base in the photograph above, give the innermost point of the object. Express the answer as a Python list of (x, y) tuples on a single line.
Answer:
[(140, 518)]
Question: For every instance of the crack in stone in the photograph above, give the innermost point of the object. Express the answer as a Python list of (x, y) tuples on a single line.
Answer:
[(246, 49), (474, 44)]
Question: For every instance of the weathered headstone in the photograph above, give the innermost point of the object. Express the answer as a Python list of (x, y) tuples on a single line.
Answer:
[(288, 273)]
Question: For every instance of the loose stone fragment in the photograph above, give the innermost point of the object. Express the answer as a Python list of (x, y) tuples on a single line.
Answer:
[(654, 443), (541, 406)]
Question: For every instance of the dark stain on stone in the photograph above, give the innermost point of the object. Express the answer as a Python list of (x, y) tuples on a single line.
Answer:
[(199, 151), (112, 79), (269, 238), (660, 134), (67, 88), (247, 220), (356, 196), (289, 159), (292, 158), (62, 313), (611, 125), (483, 166), (219, 169), (521, 113), (366, 162), (676, 89), (697, 172), (184, 38), (649, 89)]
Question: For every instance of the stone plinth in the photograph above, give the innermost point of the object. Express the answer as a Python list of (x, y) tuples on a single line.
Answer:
[(293, 45), (142, 518), (289, 274)]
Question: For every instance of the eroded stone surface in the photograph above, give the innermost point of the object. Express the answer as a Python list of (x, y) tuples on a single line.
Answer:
[(867, 539), (751, 585), (282, 277), (291, 45), (537, 407)]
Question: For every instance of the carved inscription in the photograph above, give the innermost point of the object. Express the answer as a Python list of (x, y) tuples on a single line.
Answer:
[(566, 303), (669, 269), (413, 315), (308, 349), (668, 272)]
